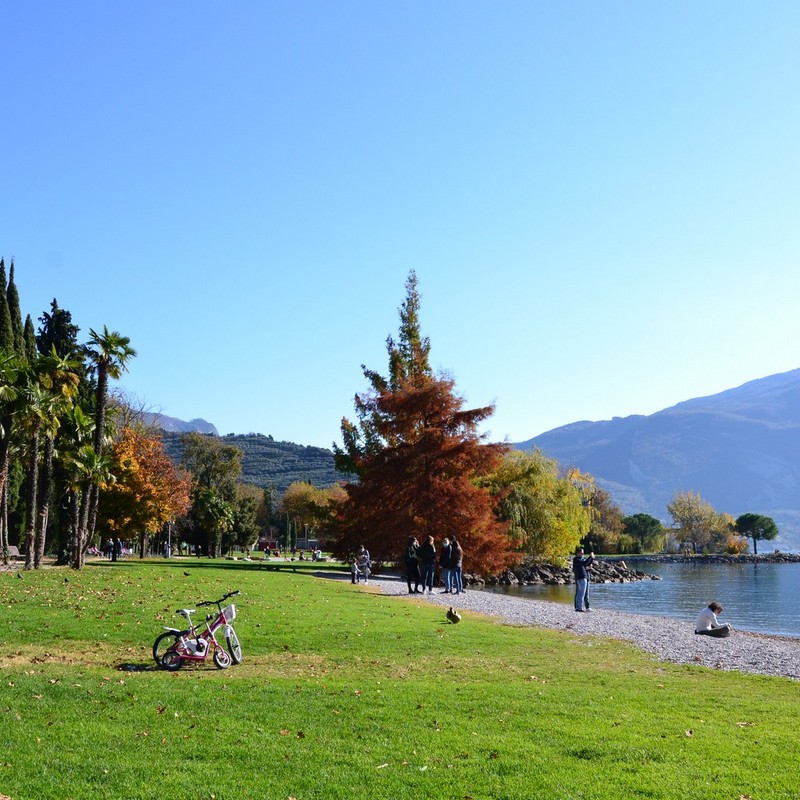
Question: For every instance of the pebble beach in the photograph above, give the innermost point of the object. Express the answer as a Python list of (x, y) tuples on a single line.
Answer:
[(668, 639)]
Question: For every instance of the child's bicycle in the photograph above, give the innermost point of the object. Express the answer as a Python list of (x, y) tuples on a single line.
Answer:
[(174, 646)]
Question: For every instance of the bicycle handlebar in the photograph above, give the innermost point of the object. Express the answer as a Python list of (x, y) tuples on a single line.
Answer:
[(217, 602)]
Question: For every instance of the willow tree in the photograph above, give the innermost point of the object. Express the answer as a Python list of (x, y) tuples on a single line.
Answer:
[(545, 511), (418, 459)]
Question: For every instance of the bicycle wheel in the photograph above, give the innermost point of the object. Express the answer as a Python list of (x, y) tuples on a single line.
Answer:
[(171, 660), (234, 648), (221, 658), (164, 642)]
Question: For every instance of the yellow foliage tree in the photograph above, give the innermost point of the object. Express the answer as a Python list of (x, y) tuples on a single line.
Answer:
[(148, 490), (544, 511)]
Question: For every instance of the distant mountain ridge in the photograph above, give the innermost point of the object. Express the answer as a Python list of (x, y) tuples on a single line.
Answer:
[(175, 425), (738, 448)]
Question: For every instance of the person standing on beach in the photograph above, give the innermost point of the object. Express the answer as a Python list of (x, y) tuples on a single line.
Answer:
[(427, 555), (707, 624), (580, 569), (412, 565)]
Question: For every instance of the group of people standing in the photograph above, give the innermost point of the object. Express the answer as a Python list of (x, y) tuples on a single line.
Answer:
[(421, 562)]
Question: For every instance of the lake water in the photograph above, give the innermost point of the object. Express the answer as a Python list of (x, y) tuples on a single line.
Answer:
[(764, 598)]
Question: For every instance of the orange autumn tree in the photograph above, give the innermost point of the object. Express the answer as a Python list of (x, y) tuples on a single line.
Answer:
[(147, 492), (418, 457)]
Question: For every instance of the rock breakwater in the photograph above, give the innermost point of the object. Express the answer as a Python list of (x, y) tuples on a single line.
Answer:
[(531, 573)]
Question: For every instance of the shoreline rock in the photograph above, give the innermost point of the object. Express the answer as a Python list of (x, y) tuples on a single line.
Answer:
[(532, 573)]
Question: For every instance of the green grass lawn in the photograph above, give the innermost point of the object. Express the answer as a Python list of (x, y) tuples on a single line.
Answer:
[(346, 694)]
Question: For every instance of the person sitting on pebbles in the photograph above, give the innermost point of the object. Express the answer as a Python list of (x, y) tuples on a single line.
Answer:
[(706, 623)]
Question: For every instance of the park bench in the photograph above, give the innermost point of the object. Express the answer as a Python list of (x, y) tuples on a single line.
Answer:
[(13, 552)]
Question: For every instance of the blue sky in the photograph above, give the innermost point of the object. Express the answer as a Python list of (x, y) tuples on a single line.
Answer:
[(600, 199)]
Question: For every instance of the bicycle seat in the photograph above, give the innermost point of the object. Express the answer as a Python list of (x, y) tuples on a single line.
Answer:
[(185, 612)]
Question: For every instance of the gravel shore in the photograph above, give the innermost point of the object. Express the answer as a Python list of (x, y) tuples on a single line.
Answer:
[(669, 639)]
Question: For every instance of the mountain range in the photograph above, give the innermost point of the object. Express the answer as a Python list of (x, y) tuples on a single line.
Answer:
[(738, 449)]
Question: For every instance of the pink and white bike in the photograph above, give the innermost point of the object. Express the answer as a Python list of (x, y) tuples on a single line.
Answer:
[(175, 646)]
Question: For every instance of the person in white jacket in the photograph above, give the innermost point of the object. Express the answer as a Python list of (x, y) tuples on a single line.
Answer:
[(707, 624)]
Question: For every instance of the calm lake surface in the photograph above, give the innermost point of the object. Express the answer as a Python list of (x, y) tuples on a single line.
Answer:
[(764, 598)]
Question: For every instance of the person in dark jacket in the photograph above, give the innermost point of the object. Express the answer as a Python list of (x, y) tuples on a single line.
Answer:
[(456, 566), (427, 557), (580, 569), (412, 566), (445, 556)]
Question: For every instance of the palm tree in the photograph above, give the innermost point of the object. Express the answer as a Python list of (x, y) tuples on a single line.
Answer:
[(89, 469), (75, 436), (50, 386), (109, 353), (60, 378)]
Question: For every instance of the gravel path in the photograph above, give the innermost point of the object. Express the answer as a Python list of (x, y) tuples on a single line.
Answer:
[(669, 639)]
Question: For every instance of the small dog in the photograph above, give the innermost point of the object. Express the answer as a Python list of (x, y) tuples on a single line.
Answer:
[(453, 615)]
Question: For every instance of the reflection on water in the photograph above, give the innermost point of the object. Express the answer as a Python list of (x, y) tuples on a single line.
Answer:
[(757, 597)]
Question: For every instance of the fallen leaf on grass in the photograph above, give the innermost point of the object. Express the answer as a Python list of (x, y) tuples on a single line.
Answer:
[(745, 725), (284, 732), (690, 733), (301, 735), (381, 766)]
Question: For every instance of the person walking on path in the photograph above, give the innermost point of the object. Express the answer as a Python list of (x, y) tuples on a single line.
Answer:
[(706, 623), (580, 569), (412, 566), (456, 565), (445, 555), (427, 555)]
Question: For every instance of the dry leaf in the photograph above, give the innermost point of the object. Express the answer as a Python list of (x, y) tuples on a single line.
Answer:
[(301, 735), (284, 732), (745, 724), (690, 733)]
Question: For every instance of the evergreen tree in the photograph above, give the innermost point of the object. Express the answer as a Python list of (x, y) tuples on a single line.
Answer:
[(29, 338), (12, 296), (56, 329), (6, 326)]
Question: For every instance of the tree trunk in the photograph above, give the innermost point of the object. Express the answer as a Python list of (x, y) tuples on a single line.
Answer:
[(5, 441), (31, 496), (80, 525), (3, 528), (44, 500)]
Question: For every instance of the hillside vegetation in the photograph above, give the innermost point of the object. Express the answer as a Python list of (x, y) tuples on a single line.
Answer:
[(266, 462)]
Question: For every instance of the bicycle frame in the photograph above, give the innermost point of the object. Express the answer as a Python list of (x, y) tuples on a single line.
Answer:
[(195, 645)]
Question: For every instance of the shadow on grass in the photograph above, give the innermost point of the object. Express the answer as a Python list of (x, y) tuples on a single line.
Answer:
[(129, 667), (310, 567)]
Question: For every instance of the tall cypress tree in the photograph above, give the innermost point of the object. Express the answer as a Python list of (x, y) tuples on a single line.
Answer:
[(29, 337), (12, 296), (6, 327)]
